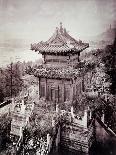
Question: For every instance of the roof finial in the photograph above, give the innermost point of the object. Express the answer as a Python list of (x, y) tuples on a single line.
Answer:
[(64, 30), (60, 24), (61, 29)]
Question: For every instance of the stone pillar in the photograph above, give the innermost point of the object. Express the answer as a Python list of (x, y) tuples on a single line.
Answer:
[(58, 138), (12, 100), (21, 132), (53, 122), (85, 119), (43, 56), (23, 106), (12, 105), (72, 112), (90, 115), (102, 118), (27, 120), (33, 104), (48, 142), (57, 108)]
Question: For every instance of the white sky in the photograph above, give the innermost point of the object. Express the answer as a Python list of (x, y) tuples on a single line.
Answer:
[(37, 19)]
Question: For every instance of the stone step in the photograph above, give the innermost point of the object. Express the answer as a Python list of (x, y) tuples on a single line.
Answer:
[(76, 145)]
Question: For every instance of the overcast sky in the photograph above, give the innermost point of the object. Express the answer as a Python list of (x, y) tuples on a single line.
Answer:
[(37, 19)]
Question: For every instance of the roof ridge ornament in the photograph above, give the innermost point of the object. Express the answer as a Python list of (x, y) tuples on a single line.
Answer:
[(61, 28), (65, 31), (60, 24)]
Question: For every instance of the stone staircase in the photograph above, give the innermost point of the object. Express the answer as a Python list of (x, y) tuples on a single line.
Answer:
[(76, 145)]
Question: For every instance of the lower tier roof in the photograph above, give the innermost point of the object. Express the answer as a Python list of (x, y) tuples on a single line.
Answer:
[(57, 73)]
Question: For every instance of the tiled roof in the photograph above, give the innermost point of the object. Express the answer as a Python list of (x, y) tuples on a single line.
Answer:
[(60, 42), (58, 73)]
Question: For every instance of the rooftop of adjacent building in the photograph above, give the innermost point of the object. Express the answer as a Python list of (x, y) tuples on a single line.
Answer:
[(60, 43)]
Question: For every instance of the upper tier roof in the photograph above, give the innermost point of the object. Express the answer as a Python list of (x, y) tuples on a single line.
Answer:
[(60, 43)]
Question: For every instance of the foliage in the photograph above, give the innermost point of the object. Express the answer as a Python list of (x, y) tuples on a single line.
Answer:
[(29, 70), (10, 81), (5, 124), (40, 124), (5, 121), (109, 60), (1, 95)]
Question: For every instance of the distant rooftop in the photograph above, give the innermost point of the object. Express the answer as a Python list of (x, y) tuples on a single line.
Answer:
[(60, 43)]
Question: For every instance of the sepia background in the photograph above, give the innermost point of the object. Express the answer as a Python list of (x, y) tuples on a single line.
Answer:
[(27, 21)]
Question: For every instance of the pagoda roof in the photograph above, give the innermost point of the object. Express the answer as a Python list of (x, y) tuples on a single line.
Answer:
[(57, 73), (60, 43)]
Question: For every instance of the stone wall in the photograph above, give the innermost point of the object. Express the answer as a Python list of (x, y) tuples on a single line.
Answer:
[(76, 134), (74, 137)]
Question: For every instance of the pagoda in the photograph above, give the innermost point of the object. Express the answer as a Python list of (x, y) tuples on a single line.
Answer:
[(59, 78)]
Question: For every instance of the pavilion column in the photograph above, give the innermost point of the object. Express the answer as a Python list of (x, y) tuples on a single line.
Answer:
[(71, 92), (39, 88), (63, 91), (58, 94), (45, 88), (78, 57)]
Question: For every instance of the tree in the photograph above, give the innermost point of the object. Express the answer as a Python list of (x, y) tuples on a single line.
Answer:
[(5, 124), (10, 81), (109, 59), (1, 95)]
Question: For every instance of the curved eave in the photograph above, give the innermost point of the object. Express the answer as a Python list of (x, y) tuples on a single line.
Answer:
[(62, 52), (67, 77), (53, 77)]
